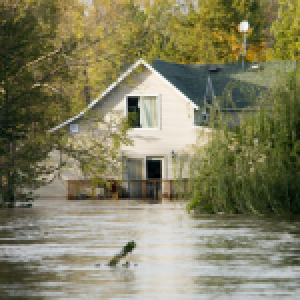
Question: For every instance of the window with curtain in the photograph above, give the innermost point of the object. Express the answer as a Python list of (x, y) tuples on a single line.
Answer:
[(145, 109)]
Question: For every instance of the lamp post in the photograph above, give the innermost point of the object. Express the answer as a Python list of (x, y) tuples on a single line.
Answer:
[(243, 27)]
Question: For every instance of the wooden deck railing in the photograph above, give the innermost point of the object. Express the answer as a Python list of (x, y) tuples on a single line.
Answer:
[(129, 189)]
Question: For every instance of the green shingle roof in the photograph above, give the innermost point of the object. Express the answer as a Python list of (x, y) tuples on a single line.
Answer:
[(191, 80)]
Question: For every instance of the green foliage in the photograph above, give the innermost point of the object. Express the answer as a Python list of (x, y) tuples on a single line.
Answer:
[(210, 34), (96, 147), (133, 119), (254, 169), (48, 59), (286, 30), (31, 65)]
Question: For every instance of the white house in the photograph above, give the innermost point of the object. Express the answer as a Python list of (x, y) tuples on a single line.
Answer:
[(169, 100)]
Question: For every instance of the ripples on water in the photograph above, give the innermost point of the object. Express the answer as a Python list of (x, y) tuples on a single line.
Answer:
[(50, 251)]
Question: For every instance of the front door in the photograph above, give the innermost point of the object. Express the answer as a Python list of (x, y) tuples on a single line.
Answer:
[(154, 170)]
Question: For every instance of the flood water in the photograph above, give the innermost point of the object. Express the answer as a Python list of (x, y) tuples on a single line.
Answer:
[(50, 251)]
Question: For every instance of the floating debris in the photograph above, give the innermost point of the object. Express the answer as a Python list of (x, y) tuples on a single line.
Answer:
[(126, 249), (116, 259)]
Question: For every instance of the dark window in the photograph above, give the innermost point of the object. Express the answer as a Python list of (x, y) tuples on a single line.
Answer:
[(154, 169), (144, 111), (134, 111)]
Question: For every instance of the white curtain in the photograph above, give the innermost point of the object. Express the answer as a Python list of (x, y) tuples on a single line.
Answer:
[(148, 112)]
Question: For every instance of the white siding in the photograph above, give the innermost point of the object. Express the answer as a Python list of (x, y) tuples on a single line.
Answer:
[(176, 119), (176, 127)]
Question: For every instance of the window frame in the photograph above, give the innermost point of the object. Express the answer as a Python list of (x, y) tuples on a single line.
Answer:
[(72, 129), (158, 97)]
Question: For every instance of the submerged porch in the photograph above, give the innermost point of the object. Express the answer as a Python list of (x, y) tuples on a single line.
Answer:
[(150, 189)]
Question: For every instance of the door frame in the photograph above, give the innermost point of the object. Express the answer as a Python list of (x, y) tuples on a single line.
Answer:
[(163, 157)]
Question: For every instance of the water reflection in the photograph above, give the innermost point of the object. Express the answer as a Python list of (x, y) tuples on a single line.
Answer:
[(51, 252)]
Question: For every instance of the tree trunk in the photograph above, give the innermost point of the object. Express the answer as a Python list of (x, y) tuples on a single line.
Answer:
[(9, 195), (9, 190)]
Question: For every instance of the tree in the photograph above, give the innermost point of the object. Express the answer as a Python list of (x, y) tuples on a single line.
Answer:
[(26, 74), (254, 169), (43, 50), (210, 34), (286, 31), (95, 152)]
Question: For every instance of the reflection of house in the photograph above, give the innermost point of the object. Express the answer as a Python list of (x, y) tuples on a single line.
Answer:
[(169, 101)]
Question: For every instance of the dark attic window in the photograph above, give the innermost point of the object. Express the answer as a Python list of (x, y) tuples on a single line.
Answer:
[(133, 107)]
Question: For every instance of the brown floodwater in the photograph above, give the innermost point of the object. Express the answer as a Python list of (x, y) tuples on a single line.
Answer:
[(51, 251)]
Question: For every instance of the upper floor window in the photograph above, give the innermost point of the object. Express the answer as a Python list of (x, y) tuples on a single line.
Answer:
[(145, 111)]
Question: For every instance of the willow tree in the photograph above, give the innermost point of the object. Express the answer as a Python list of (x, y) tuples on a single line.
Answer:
[(255, 168)]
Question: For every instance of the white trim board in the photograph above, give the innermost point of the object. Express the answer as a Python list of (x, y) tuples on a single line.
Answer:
[(113, 85)]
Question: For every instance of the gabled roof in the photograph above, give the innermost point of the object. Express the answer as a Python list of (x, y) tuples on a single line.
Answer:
[(190, 81), (118, 81)]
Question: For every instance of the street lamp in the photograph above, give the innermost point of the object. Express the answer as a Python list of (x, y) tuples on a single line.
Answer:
[(243, 27)]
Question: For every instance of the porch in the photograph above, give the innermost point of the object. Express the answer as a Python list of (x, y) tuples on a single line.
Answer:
[(151, 189)]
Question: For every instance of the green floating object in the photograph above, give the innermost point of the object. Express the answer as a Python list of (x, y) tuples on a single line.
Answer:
[(126, 249)]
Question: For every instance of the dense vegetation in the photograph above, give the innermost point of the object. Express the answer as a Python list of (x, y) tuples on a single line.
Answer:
[(31, 66), (44, 80), (255, 167)]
